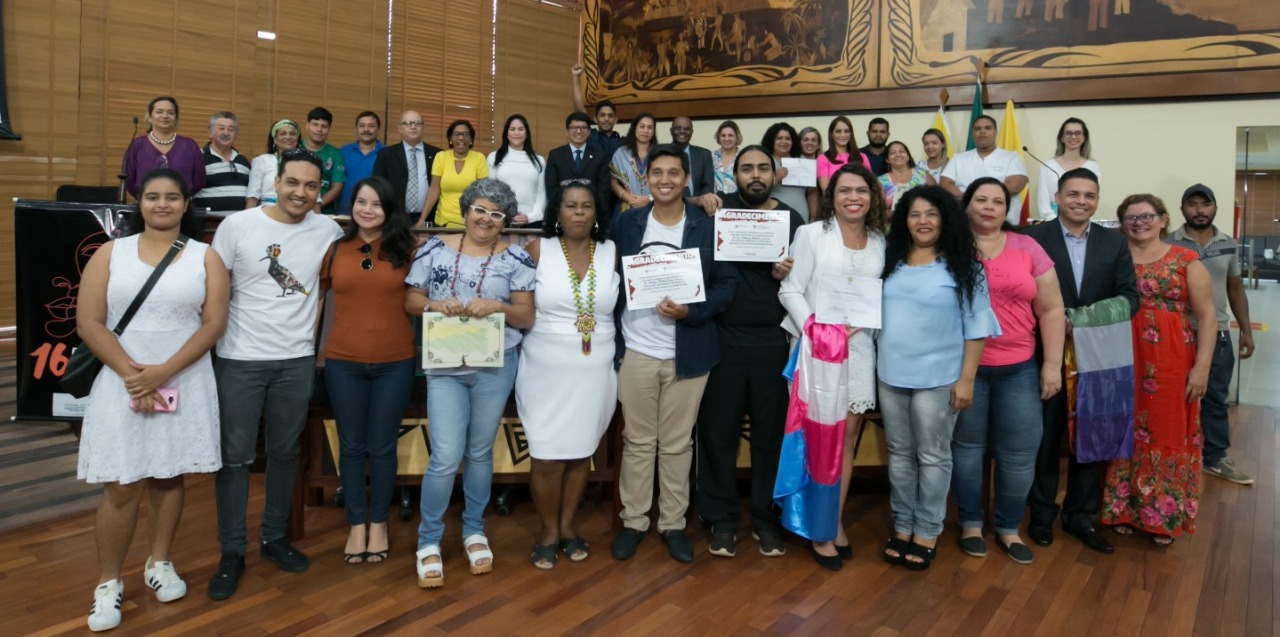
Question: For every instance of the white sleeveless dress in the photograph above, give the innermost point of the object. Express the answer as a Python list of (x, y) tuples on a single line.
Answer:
[(565, 399), (118, 444)]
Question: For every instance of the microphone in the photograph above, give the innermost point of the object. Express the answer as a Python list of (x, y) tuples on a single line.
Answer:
[(123, 176), (1032, 155)]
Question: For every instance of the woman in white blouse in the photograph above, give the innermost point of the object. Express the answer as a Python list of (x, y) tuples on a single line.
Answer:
[(517, 165), (262, 174), (1072, 153)]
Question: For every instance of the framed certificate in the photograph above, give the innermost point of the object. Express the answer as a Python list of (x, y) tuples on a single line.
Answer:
[(462, 341), (653, 277), (800, 172), (849, 300), (752, 235)]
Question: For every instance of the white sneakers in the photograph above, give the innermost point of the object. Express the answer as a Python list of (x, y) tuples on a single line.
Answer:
[(108, 596), (105, 613), (162, 579)]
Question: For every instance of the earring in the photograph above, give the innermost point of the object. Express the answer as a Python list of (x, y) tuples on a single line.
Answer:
[(558, 229), (595, 226)]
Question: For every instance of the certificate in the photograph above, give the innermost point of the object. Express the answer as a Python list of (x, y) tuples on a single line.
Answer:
[(462, 341), (653, 277), (800, 172), (848, 300), (752, 235)]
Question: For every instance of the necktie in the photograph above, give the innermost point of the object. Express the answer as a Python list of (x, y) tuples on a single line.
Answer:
[(577, 160), (411, 193), (689, 188)]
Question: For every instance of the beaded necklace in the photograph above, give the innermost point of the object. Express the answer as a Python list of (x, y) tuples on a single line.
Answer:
[(586, 323), (484, 269), (152, 136)]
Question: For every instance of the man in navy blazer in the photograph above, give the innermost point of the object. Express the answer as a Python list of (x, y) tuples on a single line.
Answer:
[(1093, 263), (580, 160), (392, 163)]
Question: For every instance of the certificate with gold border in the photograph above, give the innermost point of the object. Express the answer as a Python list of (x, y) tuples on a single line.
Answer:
[(462, 341)]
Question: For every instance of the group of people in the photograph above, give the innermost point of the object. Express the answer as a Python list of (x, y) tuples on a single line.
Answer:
[(976, 319)]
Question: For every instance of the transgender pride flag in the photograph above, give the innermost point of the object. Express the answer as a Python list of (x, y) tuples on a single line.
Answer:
[(1104, 389), (808, 485)]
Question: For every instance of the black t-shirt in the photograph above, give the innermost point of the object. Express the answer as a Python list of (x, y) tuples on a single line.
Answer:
[(876, 161), (754, 319)]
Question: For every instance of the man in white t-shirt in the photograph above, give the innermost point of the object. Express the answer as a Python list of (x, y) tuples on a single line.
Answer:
[(985, 160), (266, 358)]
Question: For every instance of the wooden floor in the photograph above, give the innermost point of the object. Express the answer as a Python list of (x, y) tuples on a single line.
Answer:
[(1222, 581)]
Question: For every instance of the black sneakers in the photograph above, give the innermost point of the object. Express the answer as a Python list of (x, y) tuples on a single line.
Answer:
[(227, 578), (285, 556)]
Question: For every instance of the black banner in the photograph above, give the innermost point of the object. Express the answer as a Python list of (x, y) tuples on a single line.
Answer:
[(52, 245)]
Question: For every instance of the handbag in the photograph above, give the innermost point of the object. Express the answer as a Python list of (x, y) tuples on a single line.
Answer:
[(83, 365)]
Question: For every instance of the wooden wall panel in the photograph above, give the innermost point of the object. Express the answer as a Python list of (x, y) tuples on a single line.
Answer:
[(537, 46), (1263, 204)]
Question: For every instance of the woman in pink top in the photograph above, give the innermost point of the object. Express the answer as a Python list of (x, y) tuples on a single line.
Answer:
[(841, 143), (1006, 412)]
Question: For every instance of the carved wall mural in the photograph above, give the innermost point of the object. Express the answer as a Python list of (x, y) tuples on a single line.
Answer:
[(638, 51)]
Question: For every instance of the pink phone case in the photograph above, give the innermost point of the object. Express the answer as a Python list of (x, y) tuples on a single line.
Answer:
[(170, 397)]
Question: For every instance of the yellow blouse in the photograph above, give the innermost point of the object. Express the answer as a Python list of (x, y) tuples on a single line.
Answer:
[(453, 182)]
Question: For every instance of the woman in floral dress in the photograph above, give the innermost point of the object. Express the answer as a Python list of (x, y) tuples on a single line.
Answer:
[(1158, 489)]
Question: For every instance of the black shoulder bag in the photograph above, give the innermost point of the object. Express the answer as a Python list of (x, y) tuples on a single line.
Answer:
[(83, 365)]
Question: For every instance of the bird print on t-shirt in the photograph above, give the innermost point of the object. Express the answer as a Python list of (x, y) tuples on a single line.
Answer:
[(288, 283)]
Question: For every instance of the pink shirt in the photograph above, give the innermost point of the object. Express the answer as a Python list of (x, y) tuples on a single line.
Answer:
[(827, 168), (1011, 281)]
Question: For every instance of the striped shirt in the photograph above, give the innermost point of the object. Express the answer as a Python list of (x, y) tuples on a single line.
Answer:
[(226, 182)]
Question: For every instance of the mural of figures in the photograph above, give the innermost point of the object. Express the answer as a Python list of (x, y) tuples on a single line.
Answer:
[(643, 51)]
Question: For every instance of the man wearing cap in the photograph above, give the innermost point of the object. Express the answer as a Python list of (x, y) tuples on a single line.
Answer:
[(1220, 254)]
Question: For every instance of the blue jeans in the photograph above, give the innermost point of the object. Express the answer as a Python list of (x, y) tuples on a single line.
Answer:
[(917, 431), (463, 413), (1005, 416), (1213, 407), (368, 405)]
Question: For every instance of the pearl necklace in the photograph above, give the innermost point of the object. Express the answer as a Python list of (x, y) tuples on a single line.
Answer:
[(152, 136)]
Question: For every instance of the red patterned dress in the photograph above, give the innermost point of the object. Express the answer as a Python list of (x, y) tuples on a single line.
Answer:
[(1158, 490)]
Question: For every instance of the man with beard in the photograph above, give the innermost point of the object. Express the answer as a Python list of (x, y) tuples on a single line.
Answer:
[(1219, 253), (358, 156), (226, 171), (877, 138), (753, 351)]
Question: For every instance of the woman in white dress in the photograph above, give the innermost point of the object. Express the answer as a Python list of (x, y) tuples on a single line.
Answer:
[(572, 342), (846, 239), (262, 173), (519, 166), (129, 443), (1072, 152)]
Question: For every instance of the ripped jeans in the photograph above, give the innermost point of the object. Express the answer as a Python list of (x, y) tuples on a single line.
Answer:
[(918, 424)]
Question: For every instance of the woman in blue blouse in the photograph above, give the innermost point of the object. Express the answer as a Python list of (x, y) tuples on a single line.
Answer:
[(936, 315), (475, 273)]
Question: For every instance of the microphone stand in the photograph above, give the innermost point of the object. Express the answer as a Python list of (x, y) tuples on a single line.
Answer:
[(123, 176)]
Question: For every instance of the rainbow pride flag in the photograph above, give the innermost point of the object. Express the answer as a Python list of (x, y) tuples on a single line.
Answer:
[(808, 484)]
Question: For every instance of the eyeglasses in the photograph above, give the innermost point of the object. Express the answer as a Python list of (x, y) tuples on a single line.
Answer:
[(460, 135), (417, 124), (367, 263), (580, 182), (579, 129), (1073, 133), (1146, 217), (496, 215)]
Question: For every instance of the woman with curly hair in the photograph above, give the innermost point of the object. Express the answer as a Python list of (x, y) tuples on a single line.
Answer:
[(936, 317)]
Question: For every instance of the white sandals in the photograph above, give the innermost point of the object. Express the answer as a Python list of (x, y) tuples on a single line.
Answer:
[(430, 574), (476, 556)]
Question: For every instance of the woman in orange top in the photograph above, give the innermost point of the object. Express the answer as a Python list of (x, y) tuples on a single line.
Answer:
[(369, 357)]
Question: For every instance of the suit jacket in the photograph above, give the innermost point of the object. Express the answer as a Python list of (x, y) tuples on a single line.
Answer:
[(390, 164), (1108, 265), (701, 171), (595, 169)]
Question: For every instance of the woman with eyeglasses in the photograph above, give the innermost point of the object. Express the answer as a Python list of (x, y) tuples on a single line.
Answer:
[(630, 166), (1157, 490), (368, 358), (451, 173), (262, 174), (519, 166), (475, 273), (1072, 152), (163, 147)]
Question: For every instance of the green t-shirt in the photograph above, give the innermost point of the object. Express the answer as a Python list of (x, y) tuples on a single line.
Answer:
[(334, 172)]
